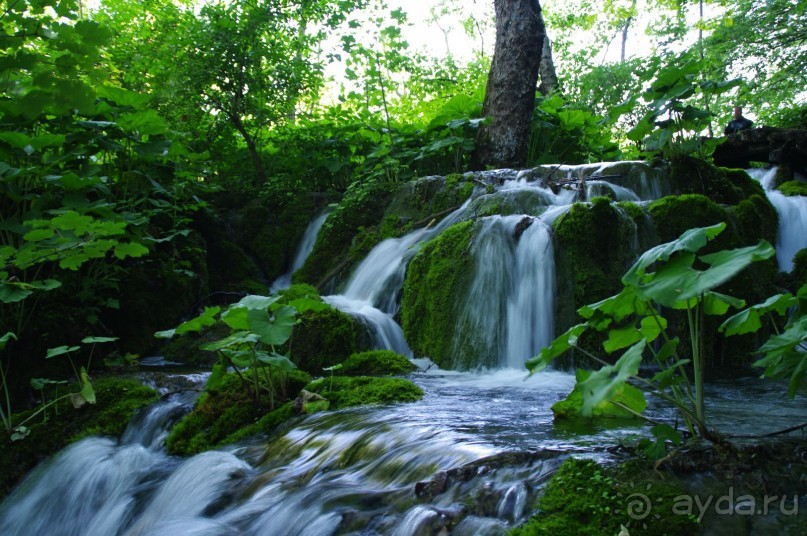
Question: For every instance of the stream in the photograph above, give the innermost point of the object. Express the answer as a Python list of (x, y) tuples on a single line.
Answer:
[(436, 466)]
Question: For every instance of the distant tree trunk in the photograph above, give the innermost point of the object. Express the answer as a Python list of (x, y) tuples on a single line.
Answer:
[(546, 70), (510, 96)]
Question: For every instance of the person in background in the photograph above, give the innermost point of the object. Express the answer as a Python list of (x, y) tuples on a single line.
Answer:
[(738, 123)]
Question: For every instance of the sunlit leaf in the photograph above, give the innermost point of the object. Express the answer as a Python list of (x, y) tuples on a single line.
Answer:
[(558, 347)]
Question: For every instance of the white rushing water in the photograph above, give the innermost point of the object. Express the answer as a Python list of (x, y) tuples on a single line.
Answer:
[(303, 251), (792, 212), (429, 467), (372, 293)]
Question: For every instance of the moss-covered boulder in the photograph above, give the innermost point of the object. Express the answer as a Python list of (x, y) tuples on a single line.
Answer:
[(344, 391), (324, 338), (371, 213), (690, 175), (362, 207), (584, 497), (117, 400), (594, 244), (436, 279), (674, 214), (227, 412), (376, 363), (793, 188)]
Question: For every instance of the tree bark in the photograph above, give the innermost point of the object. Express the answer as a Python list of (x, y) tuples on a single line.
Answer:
[(546, 70), (510, 94)]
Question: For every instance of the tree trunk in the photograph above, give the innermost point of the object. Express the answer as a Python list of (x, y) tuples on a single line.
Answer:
[(546, 70), (510, 95)]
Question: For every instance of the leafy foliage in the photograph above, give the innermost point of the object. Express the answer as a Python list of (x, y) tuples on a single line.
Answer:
[(673, 276)]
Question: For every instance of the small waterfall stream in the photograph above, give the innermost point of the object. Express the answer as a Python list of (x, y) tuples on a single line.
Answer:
[(362, 470), (792, 212), (303, 251)]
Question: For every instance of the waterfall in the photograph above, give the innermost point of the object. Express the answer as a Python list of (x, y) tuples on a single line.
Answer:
[(303, 251), (371, 294), (508, 312), (792, 210)]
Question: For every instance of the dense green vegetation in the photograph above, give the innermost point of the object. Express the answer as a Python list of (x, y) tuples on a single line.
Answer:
[(159, 162)]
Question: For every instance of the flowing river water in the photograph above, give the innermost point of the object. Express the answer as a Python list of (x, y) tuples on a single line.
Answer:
[(469, 458)]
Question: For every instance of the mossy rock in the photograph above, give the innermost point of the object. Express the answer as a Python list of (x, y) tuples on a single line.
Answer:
[(376, 363), (436, 278), (363, 206), (324, 338), (584, 497), (725, 186), (344, 391), (117, 400), (227, 412), (299, 291), (674, 214), (756, 219), (594, 246), (793, 188), (270, 229)]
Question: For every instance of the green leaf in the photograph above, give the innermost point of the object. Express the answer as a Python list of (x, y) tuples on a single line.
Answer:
[(274, 329), (37, 235), (204, 320), (87, 391), (307, 304), (750, 320), (60, 350), (621, 338), (233, 340), (46, 284), (676, 281), (332, 368), (558, 347), (604, 383), (670, 375), (13, 292), (254, 301), (276, 360), (41, 383), (238, 358), (5, 338), (628, 396), (130, 249), (652, 326), (93, 340), (692, 241)]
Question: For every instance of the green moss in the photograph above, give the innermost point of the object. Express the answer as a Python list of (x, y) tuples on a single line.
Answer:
[(593, 248), (726, 186), (363, 206), (299, 291), (343, 391), (323, 339), (435, 279), (584, 497), (227, 413), (117, 400), (674, 214), (376, 363), (756, 219), (793, 188)]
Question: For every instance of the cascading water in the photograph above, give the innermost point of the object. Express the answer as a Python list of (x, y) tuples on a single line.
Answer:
[(792, 211), (371, 294), (303, 251), (427, 467)]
